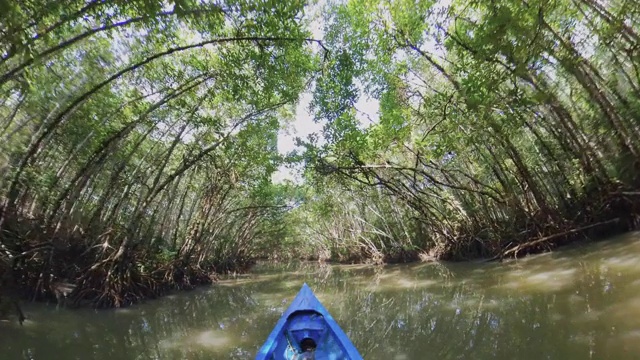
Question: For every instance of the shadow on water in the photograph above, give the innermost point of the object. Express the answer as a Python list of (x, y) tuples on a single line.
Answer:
[(578, 303)]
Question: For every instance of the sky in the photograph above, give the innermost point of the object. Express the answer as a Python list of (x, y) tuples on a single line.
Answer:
[(303, 124), (366, 108)]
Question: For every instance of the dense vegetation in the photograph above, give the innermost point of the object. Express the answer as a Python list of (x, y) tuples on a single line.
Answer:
[(504, 127), (139, 138)]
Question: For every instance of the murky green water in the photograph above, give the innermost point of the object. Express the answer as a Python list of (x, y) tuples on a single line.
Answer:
[(579, 303)]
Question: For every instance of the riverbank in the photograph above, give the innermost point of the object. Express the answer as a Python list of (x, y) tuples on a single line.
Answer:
[(600, 213), (36, 266), (594, 216), (66, 271), (570, 304)]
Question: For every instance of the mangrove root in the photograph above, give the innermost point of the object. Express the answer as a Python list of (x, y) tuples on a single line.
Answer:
[(515, 250)]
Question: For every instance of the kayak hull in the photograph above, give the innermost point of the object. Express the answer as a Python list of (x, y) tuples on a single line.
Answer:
[(306, 330)]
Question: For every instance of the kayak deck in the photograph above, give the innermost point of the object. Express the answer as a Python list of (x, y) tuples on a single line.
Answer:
[(306, 330)]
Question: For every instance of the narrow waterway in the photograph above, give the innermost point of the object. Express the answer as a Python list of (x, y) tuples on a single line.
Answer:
[(577, 303)]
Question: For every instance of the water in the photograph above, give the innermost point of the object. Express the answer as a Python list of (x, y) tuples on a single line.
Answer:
[(577, 303)]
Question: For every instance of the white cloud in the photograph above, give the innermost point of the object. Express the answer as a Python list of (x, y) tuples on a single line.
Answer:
[(302, 126), (366, 109)]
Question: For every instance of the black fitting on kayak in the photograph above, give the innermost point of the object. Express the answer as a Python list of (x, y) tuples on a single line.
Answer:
[(308, 344)]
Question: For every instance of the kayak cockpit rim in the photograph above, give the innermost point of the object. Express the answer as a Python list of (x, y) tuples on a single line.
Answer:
[(306, 302)]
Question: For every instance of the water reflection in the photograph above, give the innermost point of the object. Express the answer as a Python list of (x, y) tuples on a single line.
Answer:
[(574, 304)]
